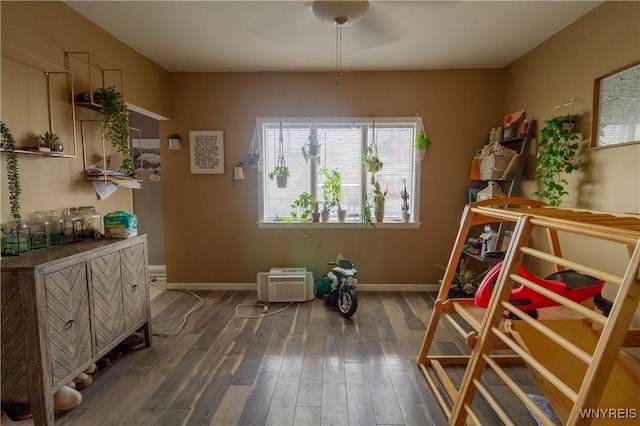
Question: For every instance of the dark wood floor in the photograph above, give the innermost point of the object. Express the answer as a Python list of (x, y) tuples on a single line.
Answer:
[(304, 366)]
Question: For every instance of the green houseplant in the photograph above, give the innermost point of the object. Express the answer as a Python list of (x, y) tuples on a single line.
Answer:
[(303, 208), (421, 143), (18, 242), (281, 174), (371, 160), (52, 141), (331, 191), (379, 197), (115, 123), (465, 282), (557, 149)]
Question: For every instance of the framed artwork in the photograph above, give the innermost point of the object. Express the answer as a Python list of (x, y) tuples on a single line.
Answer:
[(207, 151), (616, 108), (147, 155)]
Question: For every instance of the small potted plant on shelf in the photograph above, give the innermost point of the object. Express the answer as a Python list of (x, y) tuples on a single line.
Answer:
[(50, 142), (115, 123), (465, 281), (174, 141), (379, 197), (281, 174), (557, 156)]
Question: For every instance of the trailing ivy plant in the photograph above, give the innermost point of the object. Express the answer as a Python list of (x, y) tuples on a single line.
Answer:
[(115, 123), (557, 149), (13, 178)]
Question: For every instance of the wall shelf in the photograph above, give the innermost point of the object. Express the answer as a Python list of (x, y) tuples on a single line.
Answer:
[(50, 73), (92, 73)]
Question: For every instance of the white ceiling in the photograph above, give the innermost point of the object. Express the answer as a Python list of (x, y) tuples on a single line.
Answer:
[(285, 36)]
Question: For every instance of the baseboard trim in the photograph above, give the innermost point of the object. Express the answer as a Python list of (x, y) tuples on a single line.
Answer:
[(253, 286)]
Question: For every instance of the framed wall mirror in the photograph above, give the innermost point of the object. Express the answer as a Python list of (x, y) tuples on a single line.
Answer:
[(616, 108)]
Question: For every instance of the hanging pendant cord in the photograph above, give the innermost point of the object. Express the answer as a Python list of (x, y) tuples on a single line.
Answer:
[(339, 22)]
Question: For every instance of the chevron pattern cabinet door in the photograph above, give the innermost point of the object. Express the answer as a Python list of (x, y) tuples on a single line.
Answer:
[(15, 387), (69, 331), (134, 281), (106, 287)]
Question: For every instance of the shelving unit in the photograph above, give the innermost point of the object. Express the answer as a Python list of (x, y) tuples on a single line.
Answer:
[(574, 353), (86, 67), (49, 71), (118, 180)]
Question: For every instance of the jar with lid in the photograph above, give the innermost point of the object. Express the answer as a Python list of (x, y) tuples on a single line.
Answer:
[(16, 238), (72, 225), (56, 225), (40, 231), (92, 221)]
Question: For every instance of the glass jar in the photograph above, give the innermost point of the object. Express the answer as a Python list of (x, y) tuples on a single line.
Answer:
[(40, 231), (56, 225), (16, 238), (72, 226), (92, 222)]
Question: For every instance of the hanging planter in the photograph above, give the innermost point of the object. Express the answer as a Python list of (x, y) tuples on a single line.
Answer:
[(281, 171), (312, 148), (255, 155), (422, 141), (370, 158)]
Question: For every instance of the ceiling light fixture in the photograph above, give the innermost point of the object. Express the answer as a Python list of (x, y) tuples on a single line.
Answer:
[(340, 14)]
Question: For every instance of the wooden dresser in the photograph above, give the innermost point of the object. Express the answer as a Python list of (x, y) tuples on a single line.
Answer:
[(64, 308)]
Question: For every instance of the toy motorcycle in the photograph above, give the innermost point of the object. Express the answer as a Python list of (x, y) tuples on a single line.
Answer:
[(339, 285)]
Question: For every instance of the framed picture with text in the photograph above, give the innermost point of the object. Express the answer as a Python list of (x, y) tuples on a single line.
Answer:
[(207, 151)]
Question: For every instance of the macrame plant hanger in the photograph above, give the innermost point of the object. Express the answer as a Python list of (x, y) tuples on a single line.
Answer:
[(281, 164), (255, 149), (373, 151)]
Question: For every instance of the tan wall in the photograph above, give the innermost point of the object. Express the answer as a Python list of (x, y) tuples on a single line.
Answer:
[(47, 30), (210, 223), (564, 67)]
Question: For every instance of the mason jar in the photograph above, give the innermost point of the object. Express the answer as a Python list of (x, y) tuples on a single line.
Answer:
[(72, 225), (40, 231), (56, 226), (92, 222), (16, 238)]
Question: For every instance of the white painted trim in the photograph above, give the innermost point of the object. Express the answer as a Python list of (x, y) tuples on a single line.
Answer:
[(339, 225), (158, 272), (253, 286)]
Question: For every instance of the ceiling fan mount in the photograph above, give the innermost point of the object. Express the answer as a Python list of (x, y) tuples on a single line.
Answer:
[(341, 13)]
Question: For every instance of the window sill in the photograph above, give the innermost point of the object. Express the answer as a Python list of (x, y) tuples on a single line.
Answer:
[(338, 225)]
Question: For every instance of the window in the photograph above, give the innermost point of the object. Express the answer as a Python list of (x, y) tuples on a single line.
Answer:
[(342, 144)]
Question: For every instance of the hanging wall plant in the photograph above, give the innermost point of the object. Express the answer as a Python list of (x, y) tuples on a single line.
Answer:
[(312, 148), (255, 155), (281, 171), (115, 123), (13, 177), (556, 156), (422, 141)]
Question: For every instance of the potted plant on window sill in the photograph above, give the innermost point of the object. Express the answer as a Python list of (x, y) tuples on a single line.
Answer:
[(405, 202), (379, 197), (303, 208), (332, 192), (281, 174), (557, 149)]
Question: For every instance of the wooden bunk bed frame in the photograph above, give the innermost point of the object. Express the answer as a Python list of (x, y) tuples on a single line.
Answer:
[(589, 372)]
